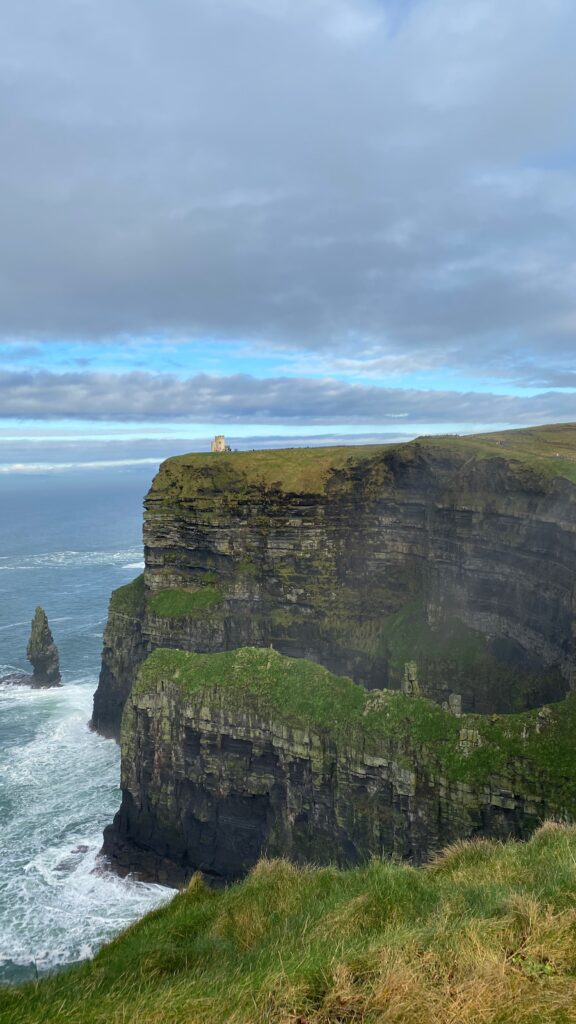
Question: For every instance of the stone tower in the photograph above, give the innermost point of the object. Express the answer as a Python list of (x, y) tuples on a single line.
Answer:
[(219, 443)]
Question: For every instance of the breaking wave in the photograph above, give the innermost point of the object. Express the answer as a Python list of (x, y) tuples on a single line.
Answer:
[(130, 559), (58, 789)]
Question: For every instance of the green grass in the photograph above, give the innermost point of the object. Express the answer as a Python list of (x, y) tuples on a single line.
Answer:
[(485, 935), (179, 604), (129, 600), (292, 689), (548, 452), (297, 470), (302, 694)]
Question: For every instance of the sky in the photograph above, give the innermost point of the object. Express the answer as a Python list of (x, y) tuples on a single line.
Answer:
[(298, 221)]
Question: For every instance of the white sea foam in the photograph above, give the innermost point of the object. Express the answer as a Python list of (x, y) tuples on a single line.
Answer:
[(130, 559), (57, 791)]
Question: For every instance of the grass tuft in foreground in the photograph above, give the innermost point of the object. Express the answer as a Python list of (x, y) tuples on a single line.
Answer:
[(484, 935)]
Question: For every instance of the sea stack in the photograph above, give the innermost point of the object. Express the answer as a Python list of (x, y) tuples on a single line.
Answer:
[(42, 653)]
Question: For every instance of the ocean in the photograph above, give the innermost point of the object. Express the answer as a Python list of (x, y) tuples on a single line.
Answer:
[(66, 541)]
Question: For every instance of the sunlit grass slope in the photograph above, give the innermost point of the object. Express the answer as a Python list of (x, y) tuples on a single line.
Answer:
[(485, 935), (550, 450)]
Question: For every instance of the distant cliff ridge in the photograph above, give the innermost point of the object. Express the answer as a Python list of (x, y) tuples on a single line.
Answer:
[(230, 757), (456, 556)]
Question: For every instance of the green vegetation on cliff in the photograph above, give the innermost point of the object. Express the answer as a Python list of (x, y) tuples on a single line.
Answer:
[(451, 652), (172, 603), (305, 470), (549, 450), (485, 935), (129, 600), (293, 690), (300, 694), (178, 604)]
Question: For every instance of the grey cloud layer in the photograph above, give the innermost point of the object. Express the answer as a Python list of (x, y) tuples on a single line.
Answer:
[(312, 172), (243, 399)]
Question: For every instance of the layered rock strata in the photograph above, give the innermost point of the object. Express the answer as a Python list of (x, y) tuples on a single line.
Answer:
[(227, 758), (455, 554)]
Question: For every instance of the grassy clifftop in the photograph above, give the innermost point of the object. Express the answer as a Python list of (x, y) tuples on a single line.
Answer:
[(299, 693), (549, 449), (485, 935), (305, 470)]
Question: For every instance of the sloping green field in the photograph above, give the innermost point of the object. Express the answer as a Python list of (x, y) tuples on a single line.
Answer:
[(551, 449), (485, 935)]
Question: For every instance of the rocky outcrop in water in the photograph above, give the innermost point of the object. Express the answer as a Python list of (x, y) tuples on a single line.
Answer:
[(42, 654), (454, 555), (227, 758)]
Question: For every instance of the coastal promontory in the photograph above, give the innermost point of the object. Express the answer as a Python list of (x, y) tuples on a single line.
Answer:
[(449, 561), (335, 654)]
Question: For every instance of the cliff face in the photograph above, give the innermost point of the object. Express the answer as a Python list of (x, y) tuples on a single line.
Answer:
[(231, 757), (457, 555)]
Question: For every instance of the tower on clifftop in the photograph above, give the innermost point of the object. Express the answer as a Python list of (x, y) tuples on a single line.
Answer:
[(219, 444)]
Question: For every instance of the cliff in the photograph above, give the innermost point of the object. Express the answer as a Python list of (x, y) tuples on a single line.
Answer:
[(456, 556), (230, 757)]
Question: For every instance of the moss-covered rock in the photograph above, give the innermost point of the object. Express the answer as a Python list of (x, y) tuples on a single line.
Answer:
[(231, 756), (179, 604)]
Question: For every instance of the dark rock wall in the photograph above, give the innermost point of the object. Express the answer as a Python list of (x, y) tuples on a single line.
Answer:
[(125, 648), (316, 574), (211, 787)]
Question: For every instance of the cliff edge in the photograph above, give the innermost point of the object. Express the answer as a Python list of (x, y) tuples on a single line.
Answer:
[(445, 564), (230, 757)]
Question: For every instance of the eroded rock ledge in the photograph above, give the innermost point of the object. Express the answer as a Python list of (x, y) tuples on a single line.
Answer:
[(229, 757), (455, 554)]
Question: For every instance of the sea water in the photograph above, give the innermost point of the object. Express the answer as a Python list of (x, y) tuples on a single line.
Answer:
[(66, 541)]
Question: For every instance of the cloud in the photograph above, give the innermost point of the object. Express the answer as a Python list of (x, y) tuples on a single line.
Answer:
[(13, 468), (304, 172), (241, 399)]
